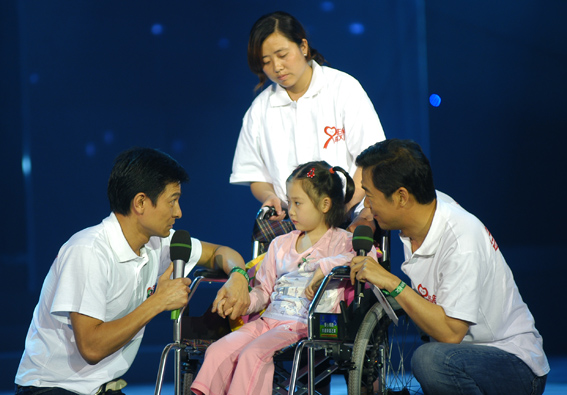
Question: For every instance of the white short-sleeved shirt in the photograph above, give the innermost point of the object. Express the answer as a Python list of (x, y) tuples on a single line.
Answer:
[(96, 273), (333, 121), (460, 267)]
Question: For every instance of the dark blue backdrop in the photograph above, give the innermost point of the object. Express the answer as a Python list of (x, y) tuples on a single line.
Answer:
[(82, 81)]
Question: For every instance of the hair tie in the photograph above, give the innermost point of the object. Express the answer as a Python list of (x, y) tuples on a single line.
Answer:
[(311, 173), (332, 170)]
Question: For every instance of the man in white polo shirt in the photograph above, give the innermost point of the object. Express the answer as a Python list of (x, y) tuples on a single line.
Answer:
[(101, 290), (484, 339)]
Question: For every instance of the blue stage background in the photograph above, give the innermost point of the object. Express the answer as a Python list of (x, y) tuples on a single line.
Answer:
[(82, 81)]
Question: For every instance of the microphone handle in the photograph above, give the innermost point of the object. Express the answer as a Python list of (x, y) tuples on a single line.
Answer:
[(358, 287), (178, 272)]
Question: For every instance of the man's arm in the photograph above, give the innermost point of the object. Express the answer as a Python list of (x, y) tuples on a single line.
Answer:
[(430, 317), (97, 339), (233, 298)]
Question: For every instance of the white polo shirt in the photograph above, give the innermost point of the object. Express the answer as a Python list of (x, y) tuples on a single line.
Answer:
[(333, 121), (96, 273), (460, 267)]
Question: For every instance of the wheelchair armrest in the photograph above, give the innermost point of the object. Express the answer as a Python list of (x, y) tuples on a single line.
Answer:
[(210, 273), (341, 271)]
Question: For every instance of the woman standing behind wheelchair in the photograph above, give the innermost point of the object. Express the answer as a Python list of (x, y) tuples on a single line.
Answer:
[(294, 266), (311, 112)]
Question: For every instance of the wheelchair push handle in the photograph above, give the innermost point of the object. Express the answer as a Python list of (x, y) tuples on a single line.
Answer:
[(266, 212)]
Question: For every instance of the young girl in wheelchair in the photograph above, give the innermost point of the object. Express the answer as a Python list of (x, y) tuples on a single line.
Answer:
[(294, 266)]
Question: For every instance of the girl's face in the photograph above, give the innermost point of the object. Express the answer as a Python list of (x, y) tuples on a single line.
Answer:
[(302, 212), (285, 62)]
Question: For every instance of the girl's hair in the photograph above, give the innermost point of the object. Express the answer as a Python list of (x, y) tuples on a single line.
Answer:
[(287, 26), (318, 180)]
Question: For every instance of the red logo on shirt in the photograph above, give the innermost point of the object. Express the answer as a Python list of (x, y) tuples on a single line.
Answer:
[(425, 293), (334, 134), (492, 241)]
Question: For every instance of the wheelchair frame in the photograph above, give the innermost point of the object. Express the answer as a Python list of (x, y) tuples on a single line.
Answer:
[(364, 359)]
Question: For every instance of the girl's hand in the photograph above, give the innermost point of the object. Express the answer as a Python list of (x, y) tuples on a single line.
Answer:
[(314, 284)]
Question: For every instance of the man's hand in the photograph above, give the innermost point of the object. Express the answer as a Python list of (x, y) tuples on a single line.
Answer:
[(233, 298), (172, 293), (365, 268), (365, 217), (314, 284)]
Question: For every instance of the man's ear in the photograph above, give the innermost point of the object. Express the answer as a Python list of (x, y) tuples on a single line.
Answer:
[(139, 203), (402, 196), (325, 204)]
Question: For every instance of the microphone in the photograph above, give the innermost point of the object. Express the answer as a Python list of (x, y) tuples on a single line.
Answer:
[(179, 253), (362, 241)]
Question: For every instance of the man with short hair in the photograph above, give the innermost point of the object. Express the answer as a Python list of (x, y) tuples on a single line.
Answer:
[(101, 290), (484, 336)]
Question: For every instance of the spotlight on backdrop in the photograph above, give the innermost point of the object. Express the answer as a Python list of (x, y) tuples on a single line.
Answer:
[(157, 29), (327, 6), (435, 100)]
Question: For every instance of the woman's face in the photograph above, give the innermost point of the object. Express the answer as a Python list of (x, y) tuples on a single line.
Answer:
[(285, 62)]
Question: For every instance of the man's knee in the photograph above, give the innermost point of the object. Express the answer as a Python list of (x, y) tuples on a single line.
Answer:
[(423, 359)]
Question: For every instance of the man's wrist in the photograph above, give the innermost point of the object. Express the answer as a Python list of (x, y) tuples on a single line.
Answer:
[(396, 291), (243, 273)]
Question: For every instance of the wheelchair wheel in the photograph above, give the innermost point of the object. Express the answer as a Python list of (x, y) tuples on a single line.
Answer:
[(188, 372), (368, 351), (187, 381), (402, 339), (381, 355)]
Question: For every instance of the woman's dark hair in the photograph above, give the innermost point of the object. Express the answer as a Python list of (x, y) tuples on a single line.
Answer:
[(141, 170), (399, 163), (283, 23), (318, 180)]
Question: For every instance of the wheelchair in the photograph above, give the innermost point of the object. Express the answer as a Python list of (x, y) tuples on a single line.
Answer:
[(362, 344)]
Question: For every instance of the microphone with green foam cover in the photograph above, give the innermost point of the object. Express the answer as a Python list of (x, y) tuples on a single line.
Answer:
[(179, 253), (362, 241)]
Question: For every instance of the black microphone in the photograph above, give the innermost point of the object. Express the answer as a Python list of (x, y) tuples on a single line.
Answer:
[(362, 241), (179, 253)]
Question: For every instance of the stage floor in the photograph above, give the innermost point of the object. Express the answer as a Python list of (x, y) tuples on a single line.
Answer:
[(556, 382)]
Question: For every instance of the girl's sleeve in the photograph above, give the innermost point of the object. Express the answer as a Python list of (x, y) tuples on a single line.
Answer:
[(339, 252), (266, 279), (343, 254), (327, 264)]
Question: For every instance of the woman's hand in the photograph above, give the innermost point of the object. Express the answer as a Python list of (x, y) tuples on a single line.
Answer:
[(276, 203), (264, 192), (365, 217)]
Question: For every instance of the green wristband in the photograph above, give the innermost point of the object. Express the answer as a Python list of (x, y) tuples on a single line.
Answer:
[(243, 272), (396, 291)]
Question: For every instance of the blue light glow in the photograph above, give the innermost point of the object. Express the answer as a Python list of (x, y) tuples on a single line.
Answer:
[(157, 29), (435, 100), (177, 146), (356, 28), (224, 43), (327, 6), (26, 165), (108, 137), (34, 78), (90, 150)]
